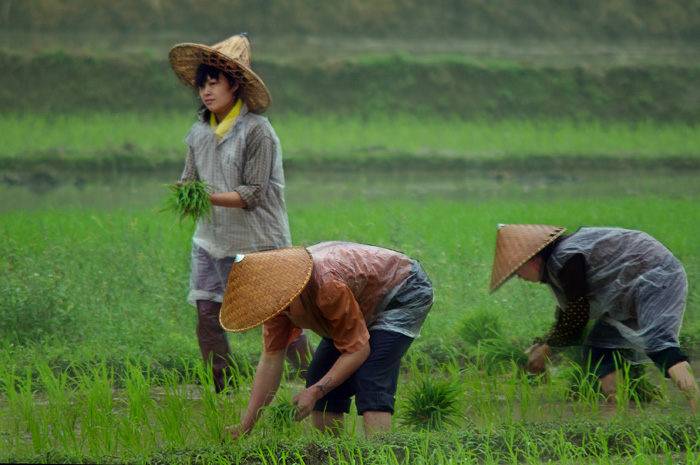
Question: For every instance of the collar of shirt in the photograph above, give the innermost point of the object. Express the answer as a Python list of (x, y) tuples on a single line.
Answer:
[(220, 129)]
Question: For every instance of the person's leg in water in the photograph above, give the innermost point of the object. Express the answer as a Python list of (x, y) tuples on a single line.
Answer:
[(213, 343)]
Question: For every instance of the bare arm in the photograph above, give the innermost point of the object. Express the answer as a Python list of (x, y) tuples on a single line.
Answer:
[(683, 375), (227, 199), (342, 369), (265, 384)]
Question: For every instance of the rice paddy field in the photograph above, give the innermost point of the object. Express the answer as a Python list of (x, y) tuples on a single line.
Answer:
[(98, 356)]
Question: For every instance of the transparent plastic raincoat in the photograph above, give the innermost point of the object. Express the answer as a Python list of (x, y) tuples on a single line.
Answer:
[(355, 288), (636, 286)]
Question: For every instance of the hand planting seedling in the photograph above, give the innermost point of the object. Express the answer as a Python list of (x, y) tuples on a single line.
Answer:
[(500, 351), (282, 415), (189, 199)]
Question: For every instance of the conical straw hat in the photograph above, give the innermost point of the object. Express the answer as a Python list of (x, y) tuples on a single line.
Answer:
[(515, 245), (262, 284), (232, 56)]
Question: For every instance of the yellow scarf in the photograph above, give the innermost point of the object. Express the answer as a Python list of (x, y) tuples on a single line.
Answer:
[(220, 129)]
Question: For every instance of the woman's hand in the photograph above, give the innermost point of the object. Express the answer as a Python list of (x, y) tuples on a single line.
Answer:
[(237, 431), (305, 401), (539, 355), (265, 383)]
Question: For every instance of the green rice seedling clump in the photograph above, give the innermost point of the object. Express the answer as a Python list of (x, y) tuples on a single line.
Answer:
[(499, 351), (189, 199), (482, 324), (282, 415), (432, 403)]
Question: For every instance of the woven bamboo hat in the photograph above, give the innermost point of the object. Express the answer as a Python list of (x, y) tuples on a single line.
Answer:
[(232, 56), (262, 284), (515, 245)]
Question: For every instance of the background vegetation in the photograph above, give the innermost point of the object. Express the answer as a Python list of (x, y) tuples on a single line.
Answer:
[(551, 19), (448, 87)]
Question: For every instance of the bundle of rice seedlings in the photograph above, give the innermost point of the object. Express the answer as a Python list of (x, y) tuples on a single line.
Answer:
[(189, 199), (281, 415), (431, 403), (641, 387), (499, 351), (482, 324)]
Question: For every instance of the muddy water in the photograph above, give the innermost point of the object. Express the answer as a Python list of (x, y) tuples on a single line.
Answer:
[(29, 191)]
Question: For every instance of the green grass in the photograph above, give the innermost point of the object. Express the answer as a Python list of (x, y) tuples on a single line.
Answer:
[(76, 278), (157, 138), (99, 362)]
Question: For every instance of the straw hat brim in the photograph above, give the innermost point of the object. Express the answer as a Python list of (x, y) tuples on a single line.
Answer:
[(515, 245), (186, 58), (262, 284)]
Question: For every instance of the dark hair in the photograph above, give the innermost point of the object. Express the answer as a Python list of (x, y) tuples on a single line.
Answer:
[(205, 72)]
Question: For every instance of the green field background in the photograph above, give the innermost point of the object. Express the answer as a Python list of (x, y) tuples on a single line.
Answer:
[(449, 86), (596, 123)]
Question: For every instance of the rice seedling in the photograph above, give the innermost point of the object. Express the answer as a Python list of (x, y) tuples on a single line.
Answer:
[(582, 388), (218, 411), (173, 411), (479, 325), (281, 416), (483, 330), (640, 385), (500, 352), (188, 199), (431, 402)]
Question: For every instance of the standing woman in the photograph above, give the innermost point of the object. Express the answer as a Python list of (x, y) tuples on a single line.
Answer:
[(631, 286), (235, 150)]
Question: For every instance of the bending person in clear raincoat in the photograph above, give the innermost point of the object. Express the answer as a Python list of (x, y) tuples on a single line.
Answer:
[(630, 284), (367, 303)]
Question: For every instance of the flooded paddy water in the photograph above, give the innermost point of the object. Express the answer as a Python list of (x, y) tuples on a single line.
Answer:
[(311, 184)]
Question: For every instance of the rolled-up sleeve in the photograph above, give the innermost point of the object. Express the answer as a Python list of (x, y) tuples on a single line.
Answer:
[(259, 159), (189, 173), (278, 334)]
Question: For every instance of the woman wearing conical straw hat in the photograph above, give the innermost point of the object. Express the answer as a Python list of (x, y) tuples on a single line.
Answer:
[(367, 303), (235, 150), (631, 286)]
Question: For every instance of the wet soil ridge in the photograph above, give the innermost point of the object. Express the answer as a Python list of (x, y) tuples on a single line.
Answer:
[(449, 86)]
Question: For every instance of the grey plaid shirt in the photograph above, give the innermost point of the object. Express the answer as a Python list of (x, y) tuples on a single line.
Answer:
[(248, 160)]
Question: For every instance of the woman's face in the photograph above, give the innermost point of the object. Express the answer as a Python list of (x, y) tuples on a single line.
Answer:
[(531, 270), (218, 95)]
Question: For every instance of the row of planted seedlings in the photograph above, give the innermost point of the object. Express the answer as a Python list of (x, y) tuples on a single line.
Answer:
[(500, 382), (90, 411)]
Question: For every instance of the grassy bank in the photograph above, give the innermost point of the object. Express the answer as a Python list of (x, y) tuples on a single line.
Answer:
[(455, 85), (155, 139)]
